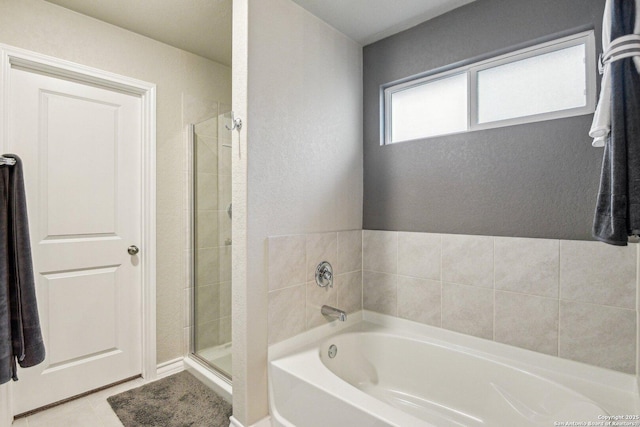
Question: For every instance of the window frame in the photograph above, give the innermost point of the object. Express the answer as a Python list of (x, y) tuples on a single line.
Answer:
[(586, 37)]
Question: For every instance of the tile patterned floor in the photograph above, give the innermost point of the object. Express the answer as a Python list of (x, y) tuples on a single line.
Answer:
[(89, 411)]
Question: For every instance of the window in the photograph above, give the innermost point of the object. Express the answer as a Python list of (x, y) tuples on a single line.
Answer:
[(437, 107), (547, 81)]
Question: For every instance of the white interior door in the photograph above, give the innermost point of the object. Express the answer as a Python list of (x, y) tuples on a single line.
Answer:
[(81, 149)]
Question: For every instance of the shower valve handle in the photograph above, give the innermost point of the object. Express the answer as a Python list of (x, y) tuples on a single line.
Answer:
[(324, 275)]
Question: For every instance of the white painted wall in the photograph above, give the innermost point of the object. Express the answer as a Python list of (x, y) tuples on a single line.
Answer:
[(302, 151), (187, 88), (297, 163)]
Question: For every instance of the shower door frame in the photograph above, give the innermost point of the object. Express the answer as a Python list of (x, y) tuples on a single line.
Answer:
[(15, 57), (191, 148)]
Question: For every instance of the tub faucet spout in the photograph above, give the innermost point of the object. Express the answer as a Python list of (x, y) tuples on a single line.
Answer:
[(333, 313)]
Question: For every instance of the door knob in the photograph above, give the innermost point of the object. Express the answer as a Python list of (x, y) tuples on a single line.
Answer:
[(133, 250)]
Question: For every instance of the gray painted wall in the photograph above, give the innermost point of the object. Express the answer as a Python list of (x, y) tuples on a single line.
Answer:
[(532, 180)]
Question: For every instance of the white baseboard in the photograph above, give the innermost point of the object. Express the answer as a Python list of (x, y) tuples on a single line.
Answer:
[(170, 367), (265, 422)]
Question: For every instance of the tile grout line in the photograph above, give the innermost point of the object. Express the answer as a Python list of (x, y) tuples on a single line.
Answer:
[(362, 267), (441, 285), (441, 282), (559, 294), (397, 235), (493, 273)]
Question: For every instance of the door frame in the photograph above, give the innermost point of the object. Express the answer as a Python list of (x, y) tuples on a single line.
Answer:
[(15, 57)]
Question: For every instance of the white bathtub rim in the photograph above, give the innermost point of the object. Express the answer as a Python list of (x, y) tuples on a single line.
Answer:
[(320, 377), (607, 387), (312, 337), (493, 350), (611, 388), (519, 358)]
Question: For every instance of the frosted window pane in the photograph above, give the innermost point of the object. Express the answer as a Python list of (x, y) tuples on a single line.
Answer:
[(435, 108), (550, 82)]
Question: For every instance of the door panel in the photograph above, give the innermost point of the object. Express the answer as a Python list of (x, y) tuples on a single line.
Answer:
[(79, 129), (81, 150), (90, 329)]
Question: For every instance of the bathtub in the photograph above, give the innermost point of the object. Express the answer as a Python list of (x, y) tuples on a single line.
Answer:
[(387, 371)]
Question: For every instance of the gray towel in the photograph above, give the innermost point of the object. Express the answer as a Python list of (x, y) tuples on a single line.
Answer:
[(20, 336), (618, 208)]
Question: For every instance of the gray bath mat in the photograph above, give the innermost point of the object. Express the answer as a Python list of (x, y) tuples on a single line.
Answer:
[(176, 401)]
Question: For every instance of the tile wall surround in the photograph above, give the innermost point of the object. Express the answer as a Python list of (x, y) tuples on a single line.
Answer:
[(573, 299), (294, 297)]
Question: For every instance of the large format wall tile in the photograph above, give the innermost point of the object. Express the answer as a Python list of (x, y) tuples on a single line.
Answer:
[(206, 191), (224, 331), (349, 251), (287, 261), (380, 251), (224, 228), (467, 260), (316, 298), (419, 255), (287, 314), (321, 247), (206, 235), (571, 299), (291, 271), (225, 299), (224, 261), (213, 265), (207, 335), (419, 300), (379, 292), (598, 335), (349, 287), (206, 154), (467, 309), (527, 321), (528, 266), (207, 307), (597, 273), (207, 266)]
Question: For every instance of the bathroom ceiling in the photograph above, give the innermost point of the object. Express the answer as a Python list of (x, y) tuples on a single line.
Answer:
[(203, 27), (367, 21)]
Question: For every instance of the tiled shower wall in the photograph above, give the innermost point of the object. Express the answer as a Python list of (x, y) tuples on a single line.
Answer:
[(212, 235), (573, 299), (294, 297)]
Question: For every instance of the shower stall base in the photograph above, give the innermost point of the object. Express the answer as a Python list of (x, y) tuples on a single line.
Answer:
[(218, 356)]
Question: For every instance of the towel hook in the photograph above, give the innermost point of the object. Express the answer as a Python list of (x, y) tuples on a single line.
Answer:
[(236, 123)]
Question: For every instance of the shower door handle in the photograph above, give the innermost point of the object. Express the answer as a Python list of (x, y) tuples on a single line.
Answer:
[(133, 250)]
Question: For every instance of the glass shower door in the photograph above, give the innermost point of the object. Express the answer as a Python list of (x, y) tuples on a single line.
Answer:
[(212, 243)]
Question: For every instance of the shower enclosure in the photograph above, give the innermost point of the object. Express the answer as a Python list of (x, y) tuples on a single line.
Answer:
[(211, 242)]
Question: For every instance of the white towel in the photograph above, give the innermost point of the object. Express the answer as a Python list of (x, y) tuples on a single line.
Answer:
[(601, 125)]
